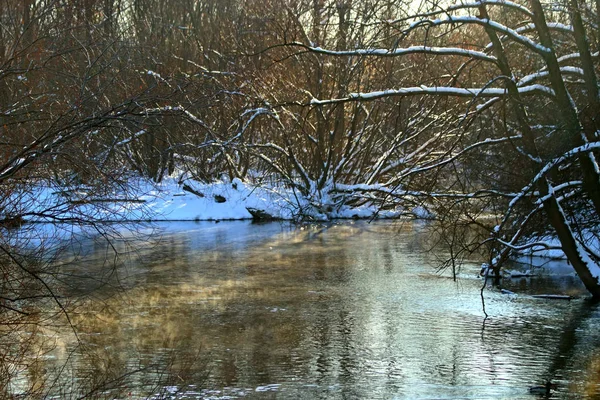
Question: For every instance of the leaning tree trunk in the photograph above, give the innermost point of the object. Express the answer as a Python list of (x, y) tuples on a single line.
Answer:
[(568, 114), (551, 205)]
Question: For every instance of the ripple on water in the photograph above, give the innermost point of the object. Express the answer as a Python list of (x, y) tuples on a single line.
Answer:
[(353, 312)]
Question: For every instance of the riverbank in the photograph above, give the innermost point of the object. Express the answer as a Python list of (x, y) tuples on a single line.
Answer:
[(177, 199), (181, 198)]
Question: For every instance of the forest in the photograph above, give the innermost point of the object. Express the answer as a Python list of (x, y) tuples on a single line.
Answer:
[(483, 115)]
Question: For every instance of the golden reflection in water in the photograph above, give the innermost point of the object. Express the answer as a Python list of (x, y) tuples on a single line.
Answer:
[(155, 315), (591, 378)]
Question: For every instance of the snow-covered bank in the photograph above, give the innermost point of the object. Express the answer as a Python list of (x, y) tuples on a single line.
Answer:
[(179, 198), (550, 247), (176, 199), (546, 257), (194, 201)]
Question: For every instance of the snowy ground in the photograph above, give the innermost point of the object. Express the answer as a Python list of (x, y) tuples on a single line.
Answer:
[(230, 201), (185, 200)]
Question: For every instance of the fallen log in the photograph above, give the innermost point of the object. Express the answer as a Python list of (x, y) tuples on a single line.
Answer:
[(190, 189), (260, 215)]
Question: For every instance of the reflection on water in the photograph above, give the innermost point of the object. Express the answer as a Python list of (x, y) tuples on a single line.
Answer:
[(348, 311)]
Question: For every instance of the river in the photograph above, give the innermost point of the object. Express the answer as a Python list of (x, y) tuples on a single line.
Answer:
[(339, 311)]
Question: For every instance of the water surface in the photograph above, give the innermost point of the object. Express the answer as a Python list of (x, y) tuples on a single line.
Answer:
[(339, 311)]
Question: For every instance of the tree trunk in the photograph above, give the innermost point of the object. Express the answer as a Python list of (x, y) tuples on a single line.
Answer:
[(568, 114), (552, 207)]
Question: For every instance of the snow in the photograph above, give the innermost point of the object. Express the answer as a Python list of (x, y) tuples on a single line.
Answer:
[(169, 201), (591, 241), (13, 166), (157, 76), (551, 164), (550, 247), (592, 266), (491, 2), (134, 136), (552, 296), (437, 90), (457, 51), (551, 25), (542, 74), (515, 35), (422, 213), (268, 388)]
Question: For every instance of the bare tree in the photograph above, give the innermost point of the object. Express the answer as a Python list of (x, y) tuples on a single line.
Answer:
[(75, 101), (534, 123)]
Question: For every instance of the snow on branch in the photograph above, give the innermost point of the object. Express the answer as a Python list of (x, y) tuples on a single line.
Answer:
[(192, 117), (436, 90), (555, 26), (535, 246), (568, 70), (397, 191), (454, 157), (462, 6), (513, 34), (159, 77), (12, 166), (482, 193), (442, 51), (253, 114), (586, 148), (574, 56), (132, 138), (503, 3), (528, 79)]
